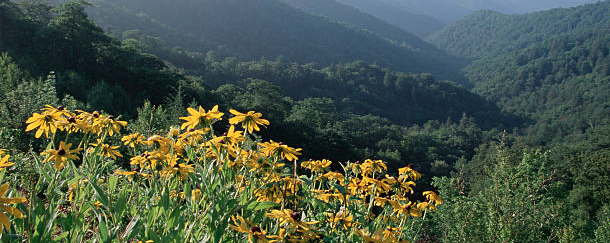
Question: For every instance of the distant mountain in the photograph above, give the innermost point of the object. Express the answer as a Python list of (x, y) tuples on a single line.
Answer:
[(450, 11), (343, 10), (447, 11), (267, 28), (363, 20), (491, 33)]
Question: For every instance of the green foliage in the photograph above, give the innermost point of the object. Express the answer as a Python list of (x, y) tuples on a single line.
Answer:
[(81, 55), (488, 33), (514, 206)]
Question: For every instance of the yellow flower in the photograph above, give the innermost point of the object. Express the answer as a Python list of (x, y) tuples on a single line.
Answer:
[(249, 121), (45, 122), (72, 124), (316, 165), (174, 168), (272, 149), (98, 204), (60, 110), (345, 219), (91, 119), (334, 176), (433, 197), (61, 155), (107, 150), (109, 124), (5, 163), (133, 140), (408, 209), (255, 233), (195, 194), (370, 166), (376, 237), (129, 174), (194, 136), (200, 117), (291, 218), (231, 136), (408, 172), (4, 202)]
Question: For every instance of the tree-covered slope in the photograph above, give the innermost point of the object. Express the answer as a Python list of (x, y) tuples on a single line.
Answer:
[(366, 15), (562, 83), (88, 64), (269, 28), (491, 33)]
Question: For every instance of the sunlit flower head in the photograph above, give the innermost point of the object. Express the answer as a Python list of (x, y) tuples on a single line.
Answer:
[(60, 155), (133, 140), (249, 121), (4, 163), (272, 149), (433, 197), (109, 124), (293, 219), (408, 172), (255, 233), (107, 150), (316, 165), (201, 117), (45, 122)]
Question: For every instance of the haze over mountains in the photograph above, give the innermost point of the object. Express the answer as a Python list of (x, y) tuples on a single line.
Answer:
[(269, 28), (449, 11)]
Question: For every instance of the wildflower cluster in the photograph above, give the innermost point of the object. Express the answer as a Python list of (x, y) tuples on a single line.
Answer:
[(199, 182)]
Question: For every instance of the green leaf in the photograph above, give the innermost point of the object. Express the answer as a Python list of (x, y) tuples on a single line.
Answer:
[(129, 229), (100, 195), (340, 189), (257, 206)]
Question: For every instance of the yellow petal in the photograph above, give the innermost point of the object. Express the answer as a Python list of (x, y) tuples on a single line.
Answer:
[(13, 211), (3, 189), (4, 221)]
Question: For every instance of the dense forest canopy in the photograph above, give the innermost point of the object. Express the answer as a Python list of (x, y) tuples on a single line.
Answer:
[(516, 141), (491, 33)]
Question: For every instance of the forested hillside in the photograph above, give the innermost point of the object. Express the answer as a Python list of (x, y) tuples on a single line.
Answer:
[(420, 25), (562, 83), (491, 33), (380, 24), (268, 28)]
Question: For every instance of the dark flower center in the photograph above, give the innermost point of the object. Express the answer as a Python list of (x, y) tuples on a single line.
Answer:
[(192, 130), (61, 108), (295, 215), (96, 115), (411, 166), (61, 152), (71, 120), (255, 229)]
